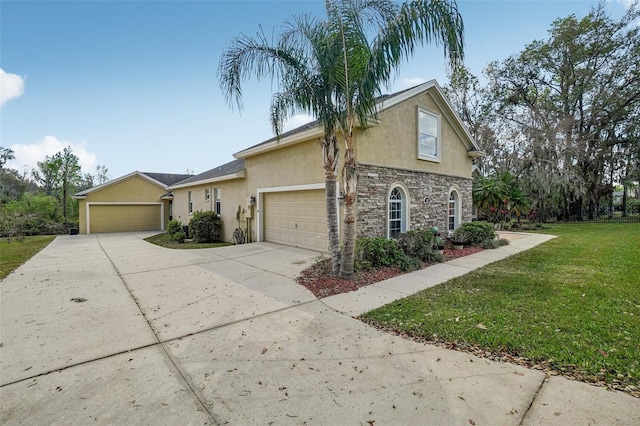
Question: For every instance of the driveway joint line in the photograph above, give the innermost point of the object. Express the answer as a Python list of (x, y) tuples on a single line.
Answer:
[(178, 370), (156, 343)]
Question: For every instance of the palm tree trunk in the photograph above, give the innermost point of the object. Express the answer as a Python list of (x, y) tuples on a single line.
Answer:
[(349, 182), (330, 155)]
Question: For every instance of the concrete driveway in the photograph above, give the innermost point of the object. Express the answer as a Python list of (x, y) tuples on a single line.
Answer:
[(109, 329)]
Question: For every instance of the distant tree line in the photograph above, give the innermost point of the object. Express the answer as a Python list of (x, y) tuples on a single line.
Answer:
[(40, 202), (560, 121)]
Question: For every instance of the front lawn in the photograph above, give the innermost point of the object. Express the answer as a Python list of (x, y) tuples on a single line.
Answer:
[(165, 240), (14, 254), (570, 306)]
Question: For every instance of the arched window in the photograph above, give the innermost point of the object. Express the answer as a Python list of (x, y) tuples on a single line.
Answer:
[(397, 212), (452, 214)]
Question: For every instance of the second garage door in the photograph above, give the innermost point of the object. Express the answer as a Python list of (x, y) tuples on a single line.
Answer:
[(124, 218), (296, 218)]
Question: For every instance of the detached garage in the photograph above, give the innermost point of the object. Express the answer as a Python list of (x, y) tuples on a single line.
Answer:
[(135, 202), (296, 218)]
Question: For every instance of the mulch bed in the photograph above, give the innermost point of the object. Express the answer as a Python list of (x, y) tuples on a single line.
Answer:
[(322, 283)]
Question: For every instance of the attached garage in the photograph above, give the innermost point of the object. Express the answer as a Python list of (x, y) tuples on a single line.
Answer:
[(128, 217), (296, 218)]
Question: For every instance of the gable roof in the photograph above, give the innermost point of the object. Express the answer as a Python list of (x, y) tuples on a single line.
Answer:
[(314, 128), (162, 180), (231, 170)]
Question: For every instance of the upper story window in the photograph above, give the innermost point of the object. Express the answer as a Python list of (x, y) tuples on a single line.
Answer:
[(428, 136), (217, 198)]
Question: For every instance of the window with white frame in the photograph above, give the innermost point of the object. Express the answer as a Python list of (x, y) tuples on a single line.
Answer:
[(207, 194), (397, 212), (428, 136), (189, 202), (453, 219), (217, 199)]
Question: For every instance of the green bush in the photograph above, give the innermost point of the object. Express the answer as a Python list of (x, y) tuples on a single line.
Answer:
[(174, 226), (492, 244), (32, 215), (477, 232), (633, 205), (409, 263), (377, 251), (418, 244), (204, 227), (179, 236)]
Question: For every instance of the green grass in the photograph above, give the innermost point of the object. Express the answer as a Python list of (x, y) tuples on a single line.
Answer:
[(165, 240), (14, 254), (571, 305)]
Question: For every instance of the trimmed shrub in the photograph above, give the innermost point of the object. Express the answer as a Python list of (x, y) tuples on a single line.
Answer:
[(409, 263), (179, 236), (418, 244), (492, 244), (377, 251), (477, 232), (204, 227), (174, 226)]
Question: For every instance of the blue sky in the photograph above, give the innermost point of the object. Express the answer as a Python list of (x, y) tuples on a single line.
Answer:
[(132, 85)]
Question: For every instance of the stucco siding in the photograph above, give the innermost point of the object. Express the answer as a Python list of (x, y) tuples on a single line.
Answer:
[(298, 164), (393, 142), (134, 189), (233, 194)]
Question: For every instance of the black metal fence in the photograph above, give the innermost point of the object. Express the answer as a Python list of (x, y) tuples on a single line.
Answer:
[(630, 218)]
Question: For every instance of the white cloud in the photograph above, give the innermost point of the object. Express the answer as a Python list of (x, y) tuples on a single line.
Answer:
[(297, 121), (11, 86), (28, 155), (406, 83)]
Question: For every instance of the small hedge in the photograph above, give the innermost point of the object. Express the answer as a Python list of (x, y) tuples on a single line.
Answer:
[(407, 252), (477, 233), (204, 227), (174, 229), (418, 244), (376, 252)]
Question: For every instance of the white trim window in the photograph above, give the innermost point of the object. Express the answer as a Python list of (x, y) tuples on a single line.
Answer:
[(428, 135), (452, 212), (217, 198), (189, 203), (207, 195), (396, 212)]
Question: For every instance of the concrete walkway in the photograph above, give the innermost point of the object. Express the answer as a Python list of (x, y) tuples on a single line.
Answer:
[(109, 329), (384, 292)]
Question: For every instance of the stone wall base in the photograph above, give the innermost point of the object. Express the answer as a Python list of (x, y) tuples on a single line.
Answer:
[(428, 198)]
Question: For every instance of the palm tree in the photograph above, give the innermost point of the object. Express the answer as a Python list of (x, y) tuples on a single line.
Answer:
[(375, 36), (335, 70), (303, 63)]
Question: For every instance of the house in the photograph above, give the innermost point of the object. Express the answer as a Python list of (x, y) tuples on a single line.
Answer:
[(415, 168), (134, 202), (415, 171)]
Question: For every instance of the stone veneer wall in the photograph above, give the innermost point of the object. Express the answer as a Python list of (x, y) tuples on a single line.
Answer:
[(373, 188)]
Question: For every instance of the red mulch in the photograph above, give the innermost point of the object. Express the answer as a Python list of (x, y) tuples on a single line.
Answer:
[(322, 283)]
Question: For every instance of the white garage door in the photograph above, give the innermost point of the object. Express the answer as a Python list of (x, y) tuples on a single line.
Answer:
[(296, 218), (124, 218)]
